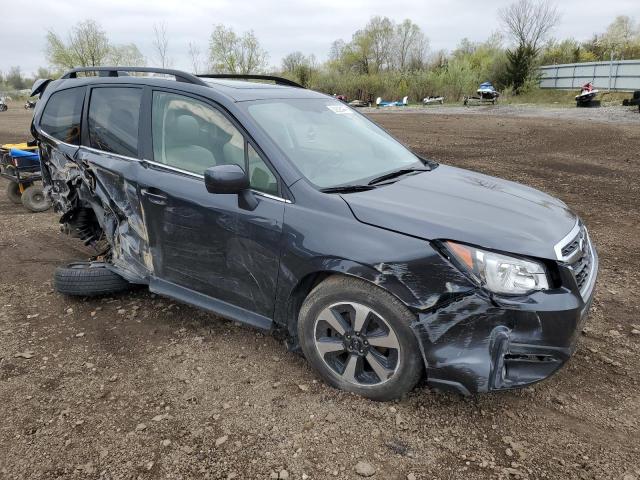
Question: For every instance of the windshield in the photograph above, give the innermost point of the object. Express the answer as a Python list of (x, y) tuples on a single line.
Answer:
[(329, 142)]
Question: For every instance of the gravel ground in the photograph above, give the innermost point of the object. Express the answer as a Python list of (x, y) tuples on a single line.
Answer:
[(606, 114), (137, 386)]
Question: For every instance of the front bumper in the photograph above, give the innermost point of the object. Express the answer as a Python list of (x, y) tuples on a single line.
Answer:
[(483, 342)]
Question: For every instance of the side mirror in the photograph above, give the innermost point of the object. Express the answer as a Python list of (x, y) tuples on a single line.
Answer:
[(226, 179)]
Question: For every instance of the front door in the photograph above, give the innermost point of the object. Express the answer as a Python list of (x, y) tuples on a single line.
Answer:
[(208, 243)]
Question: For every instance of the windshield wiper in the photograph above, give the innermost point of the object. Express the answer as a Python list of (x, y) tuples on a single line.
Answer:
[(347, 188), (396, 173)]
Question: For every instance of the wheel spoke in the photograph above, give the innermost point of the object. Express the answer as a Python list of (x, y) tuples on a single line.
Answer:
[(360, 317), (385, 340), (349, 373), (382, 371), (328, 345), (334, 319)]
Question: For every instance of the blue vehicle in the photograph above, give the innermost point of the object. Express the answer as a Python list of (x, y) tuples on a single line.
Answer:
[(486, 92)]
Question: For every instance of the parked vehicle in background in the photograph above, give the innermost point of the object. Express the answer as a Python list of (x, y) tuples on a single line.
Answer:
[(431, 100), (3, 105), (586, 96), (397, 103), (288, 210), (20, 164), (635, 100), (486, 93)]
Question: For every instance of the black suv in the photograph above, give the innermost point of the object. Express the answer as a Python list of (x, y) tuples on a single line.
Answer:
[(288, 210)]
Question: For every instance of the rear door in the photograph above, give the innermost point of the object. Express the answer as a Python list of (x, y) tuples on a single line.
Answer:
[(111, 152), (209, 244), (58, 132)]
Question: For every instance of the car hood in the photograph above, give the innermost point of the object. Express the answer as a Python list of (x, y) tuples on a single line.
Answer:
[(455, 204)]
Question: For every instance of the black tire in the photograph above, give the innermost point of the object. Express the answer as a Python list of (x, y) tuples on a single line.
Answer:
[(34, 199), (88, 279), (339, 291), (13, 193)]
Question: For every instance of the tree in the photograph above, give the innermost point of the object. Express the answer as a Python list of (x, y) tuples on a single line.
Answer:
[(299, 66), (410, 45), (89, 46), (380, 31), (161, 44), (15, 79), (382, 45), (126, 56), (529, 22), (195, 57), (231, 53), (519, 66)]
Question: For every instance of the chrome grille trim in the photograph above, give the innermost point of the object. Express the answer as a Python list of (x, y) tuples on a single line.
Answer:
[(577, 251), (568, 239)]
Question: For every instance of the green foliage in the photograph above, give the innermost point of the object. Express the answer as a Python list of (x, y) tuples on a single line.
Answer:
[(232, 53), (520, 67), (89, 46), (15, 80), (299, 67)]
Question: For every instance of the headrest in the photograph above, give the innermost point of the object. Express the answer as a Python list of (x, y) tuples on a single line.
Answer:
[(185, 130)]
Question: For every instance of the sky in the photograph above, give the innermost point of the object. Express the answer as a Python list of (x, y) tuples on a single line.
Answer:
[(282, 26)]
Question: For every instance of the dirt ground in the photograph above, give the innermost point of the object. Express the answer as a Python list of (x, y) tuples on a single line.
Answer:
[(137, 386)]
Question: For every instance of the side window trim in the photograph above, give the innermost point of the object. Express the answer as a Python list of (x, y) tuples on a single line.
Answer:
[(220, 109)]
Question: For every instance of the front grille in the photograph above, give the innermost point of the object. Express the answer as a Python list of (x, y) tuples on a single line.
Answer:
[(581, 258), (570, 248)]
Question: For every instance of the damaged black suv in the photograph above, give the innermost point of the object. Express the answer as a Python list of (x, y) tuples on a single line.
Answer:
[(288, 210)]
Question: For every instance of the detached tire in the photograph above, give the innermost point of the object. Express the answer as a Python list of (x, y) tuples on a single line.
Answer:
[(358, 337), (34, 199), (13, 193), (88, 279)]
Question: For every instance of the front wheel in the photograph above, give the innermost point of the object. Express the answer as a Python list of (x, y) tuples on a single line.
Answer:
[(358, 337)]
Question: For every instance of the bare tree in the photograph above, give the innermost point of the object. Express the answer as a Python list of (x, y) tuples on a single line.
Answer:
[(529, 22), (411, 45), (161, 44), (195, 57)]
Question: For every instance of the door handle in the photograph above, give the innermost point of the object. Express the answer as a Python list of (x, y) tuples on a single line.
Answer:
[(154, 197)]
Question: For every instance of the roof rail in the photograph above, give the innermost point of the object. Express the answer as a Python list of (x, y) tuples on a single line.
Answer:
[(240, 76), (115, 72)]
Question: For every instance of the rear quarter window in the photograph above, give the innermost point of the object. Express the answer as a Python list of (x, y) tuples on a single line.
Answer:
[(62, 113), (114, 114)]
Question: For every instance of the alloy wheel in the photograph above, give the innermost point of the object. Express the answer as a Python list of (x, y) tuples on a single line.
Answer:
[(357, 343)]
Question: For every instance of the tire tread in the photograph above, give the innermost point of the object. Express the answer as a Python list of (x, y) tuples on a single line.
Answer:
[(88, 282)]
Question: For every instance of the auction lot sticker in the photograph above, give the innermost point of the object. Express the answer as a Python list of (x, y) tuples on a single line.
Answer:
[(340, 109)]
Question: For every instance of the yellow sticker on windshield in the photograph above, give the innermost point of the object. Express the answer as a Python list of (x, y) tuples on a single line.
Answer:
[(340, 109)]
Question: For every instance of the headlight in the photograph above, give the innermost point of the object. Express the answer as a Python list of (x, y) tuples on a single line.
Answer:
[(500, 273)]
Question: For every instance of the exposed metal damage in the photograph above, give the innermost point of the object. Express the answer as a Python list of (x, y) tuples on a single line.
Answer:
[(102, 210)]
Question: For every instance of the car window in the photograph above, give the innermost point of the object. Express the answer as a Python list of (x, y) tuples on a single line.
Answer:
[(262, 179), (328, 141), (61, 115), (191, 135), (113, 120)]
